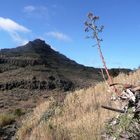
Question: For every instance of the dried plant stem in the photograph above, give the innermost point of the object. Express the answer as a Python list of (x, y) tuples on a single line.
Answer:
[(104, 63), (90, 24), (101, 56)]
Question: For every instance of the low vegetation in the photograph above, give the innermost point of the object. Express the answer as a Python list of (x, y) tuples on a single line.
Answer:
[(6, 119), (80, 117), (18, 112)]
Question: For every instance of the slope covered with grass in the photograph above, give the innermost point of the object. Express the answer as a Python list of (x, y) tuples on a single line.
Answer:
[(79, 117)]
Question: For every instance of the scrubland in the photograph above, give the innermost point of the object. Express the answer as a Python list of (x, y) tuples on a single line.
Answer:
[(79, 117)]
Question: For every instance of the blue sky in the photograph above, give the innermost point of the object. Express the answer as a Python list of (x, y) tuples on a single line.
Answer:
[(61, 24)]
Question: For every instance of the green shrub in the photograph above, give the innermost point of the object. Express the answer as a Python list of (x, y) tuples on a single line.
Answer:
[(18, 112), (122, 124), (6, 119)]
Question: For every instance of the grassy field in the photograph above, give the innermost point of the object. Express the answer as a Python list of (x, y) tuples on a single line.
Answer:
[(80, 117)]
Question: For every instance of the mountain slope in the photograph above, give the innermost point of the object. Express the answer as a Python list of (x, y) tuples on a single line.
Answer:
[(42, 60), (80, 117), (33, 72)]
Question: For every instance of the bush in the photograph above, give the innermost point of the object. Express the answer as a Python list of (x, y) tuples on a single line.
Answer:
[(6, 119), (18, 112), (120, 125)]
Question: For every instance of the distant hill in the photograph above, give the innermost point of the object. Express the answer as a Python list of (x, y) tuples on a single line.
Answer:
[(35, 71), (42, 61)]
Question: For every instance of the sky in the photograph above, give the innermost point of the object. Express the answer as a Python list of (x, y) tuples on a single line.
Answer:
[(61, 24)]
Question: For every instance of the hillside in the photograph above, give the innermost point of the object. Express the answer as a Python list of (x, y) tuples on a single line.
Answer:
[(80, 117), (35, 71), (38, 57), (31, 74)]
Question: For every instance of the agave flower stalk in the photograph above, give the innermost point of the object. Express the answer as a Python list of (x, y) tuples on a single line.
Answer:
[(90, 25)]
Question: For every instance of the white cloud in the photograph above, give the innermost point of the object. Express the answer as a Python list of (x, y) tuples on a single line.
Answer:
[(18, 39), (10, 25), (59, 36), (29, 8), (13, 29), (39, 12)]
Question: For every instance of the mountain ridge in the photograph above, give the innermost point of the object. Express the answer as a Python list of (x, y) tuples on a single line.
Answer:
[(34, 49)]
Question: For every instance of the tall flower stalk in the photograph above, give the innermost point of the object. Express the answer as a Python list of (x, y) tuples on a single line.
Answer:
[(90, 25)]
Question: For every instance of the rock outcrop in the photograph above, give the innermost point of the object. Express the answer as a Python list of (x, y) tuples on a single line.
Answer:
[(34, 84)]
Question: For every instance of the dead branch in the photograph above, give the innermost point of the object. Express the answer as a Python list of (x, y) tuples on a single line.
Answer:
[(113, 109), (125, 86), (136, 89)]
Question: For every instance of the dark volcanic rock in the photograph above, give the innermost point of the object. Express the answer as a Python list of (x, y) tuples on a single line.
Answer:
[(50, 84), (8, 132)]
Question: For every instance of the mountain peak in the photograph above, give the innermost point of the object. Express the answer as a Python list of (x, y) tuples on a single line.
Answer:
[(37, 42), (37, 50)]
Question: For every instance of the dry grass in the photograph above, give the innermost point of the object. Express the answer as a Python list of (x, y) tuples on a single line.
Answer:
[(79, 118), (32, 121)]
